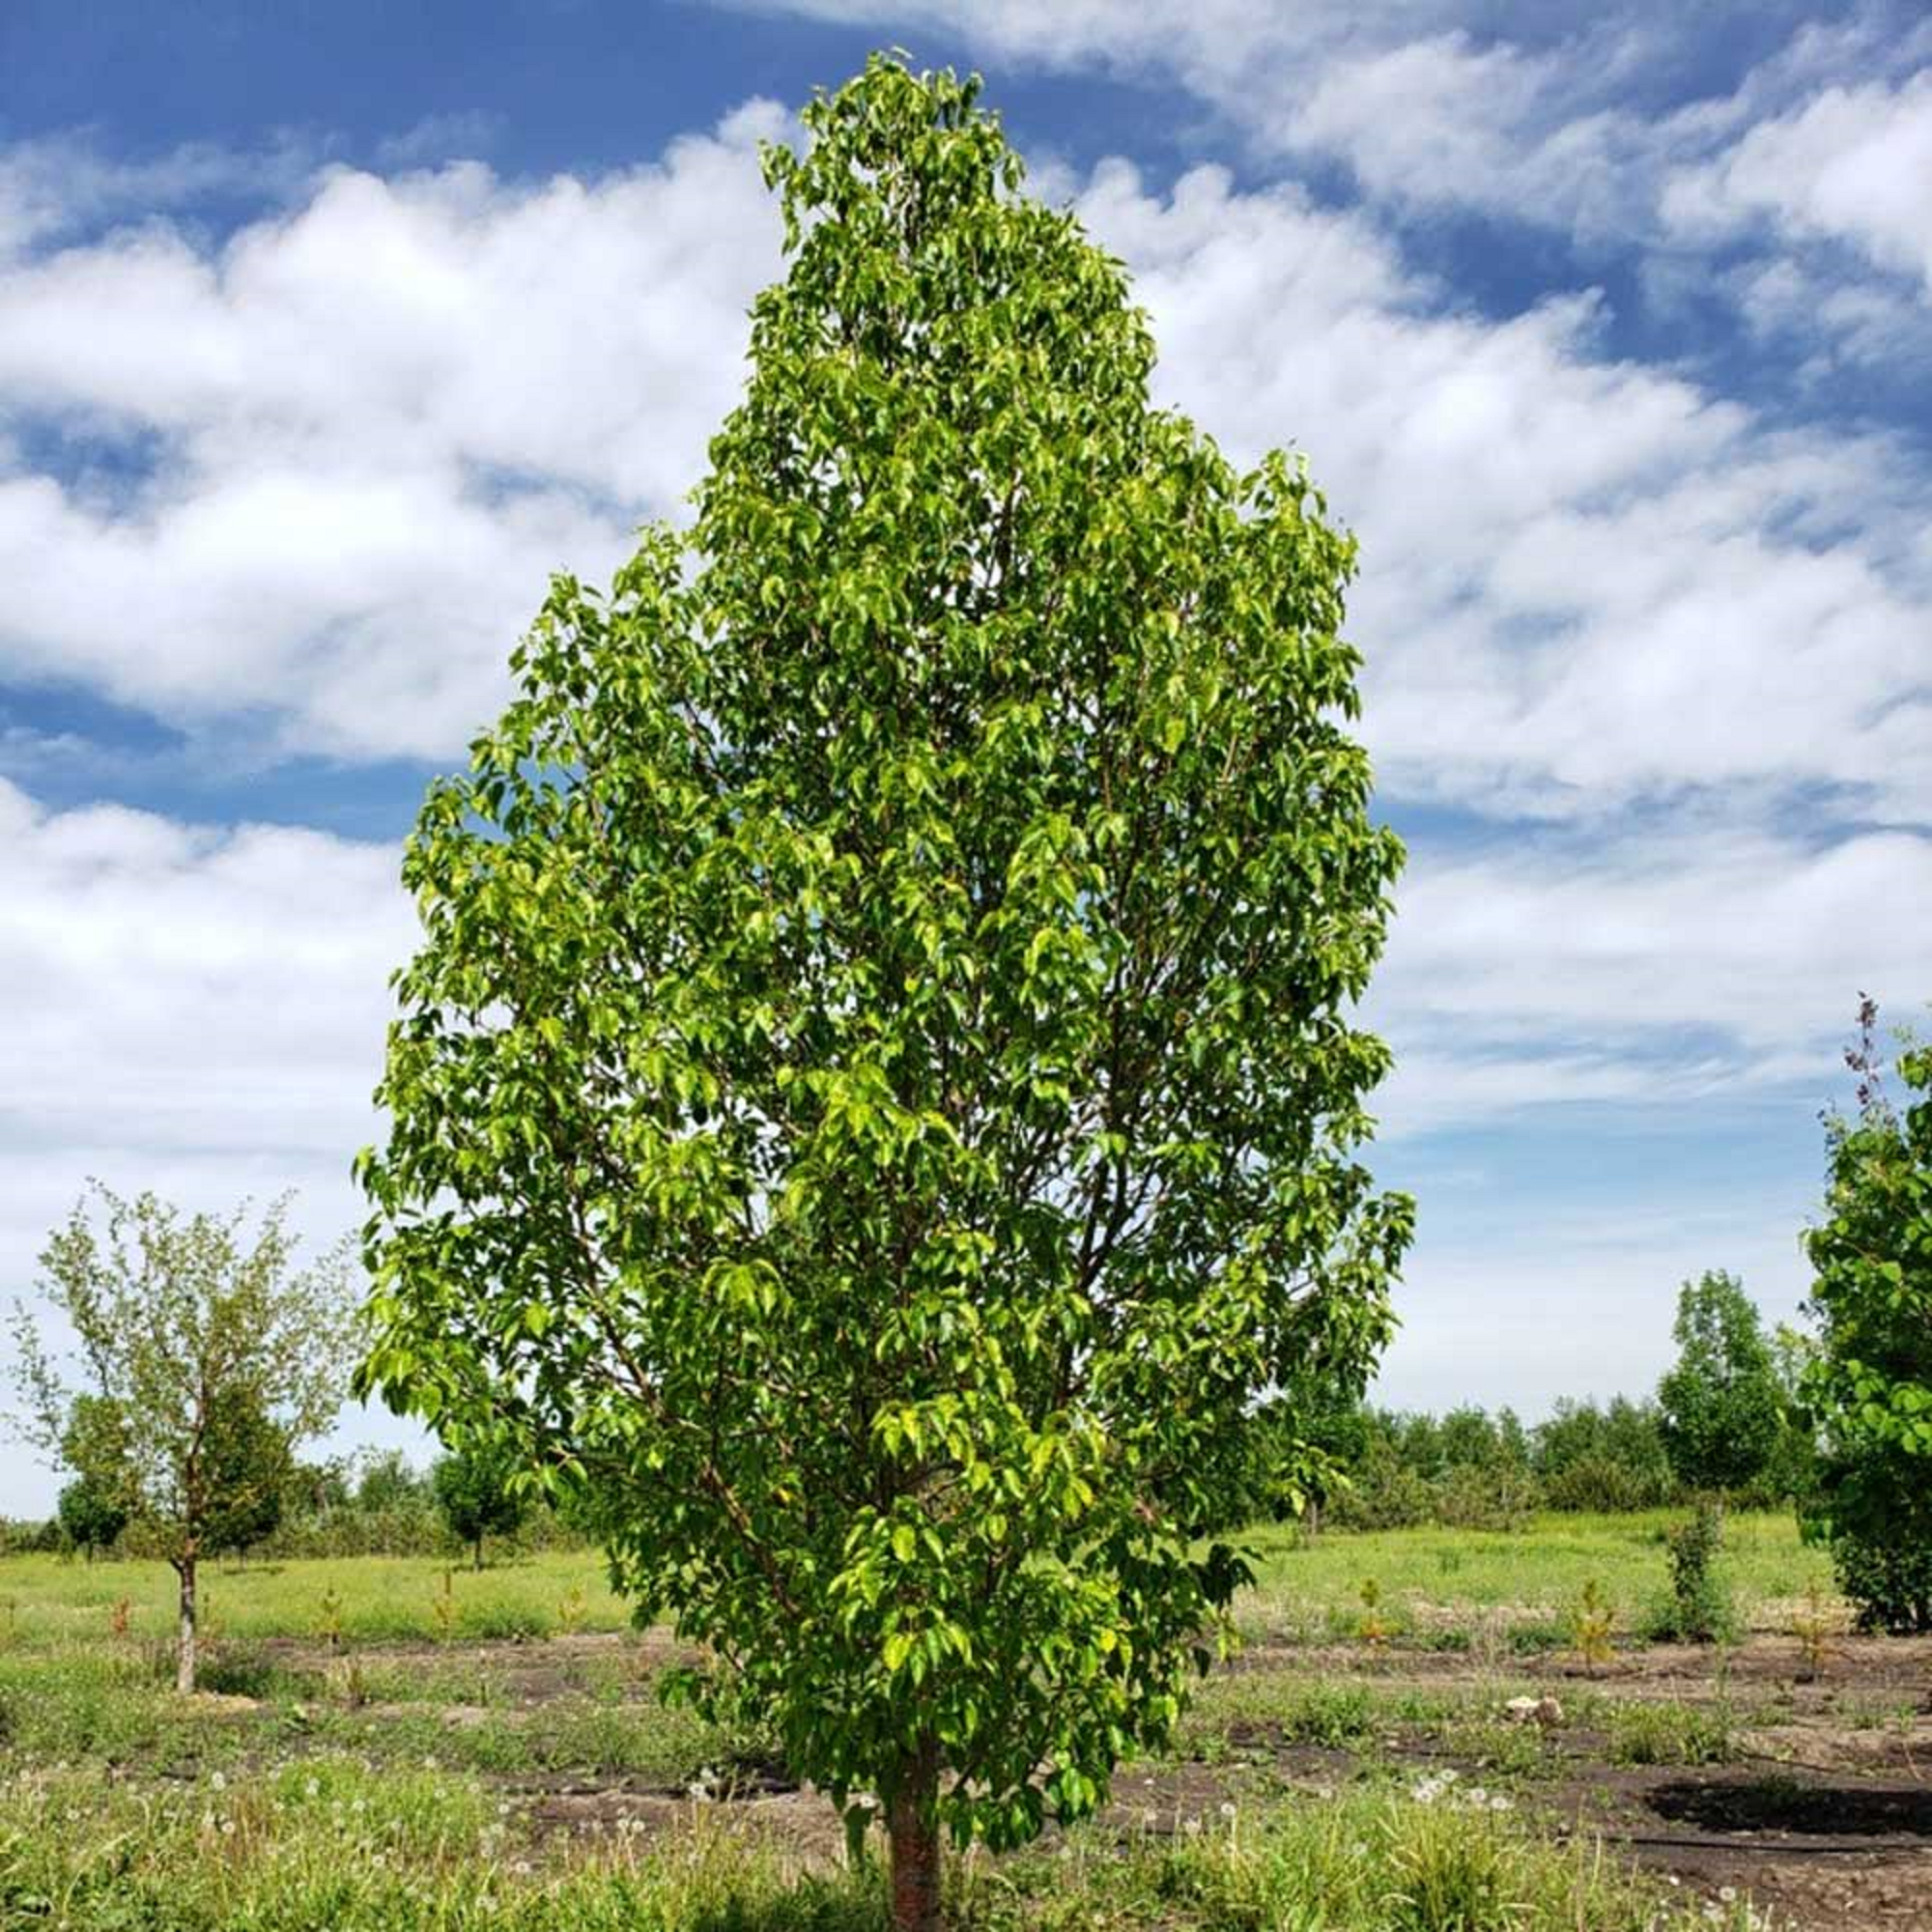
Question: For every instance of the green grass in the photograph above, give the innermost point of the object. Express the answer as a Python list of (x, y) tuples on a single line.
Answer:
[(327, 1844), (1653, 1733), (1438, 1588), (48, 1600), (1457, 1589), (379, 1781)]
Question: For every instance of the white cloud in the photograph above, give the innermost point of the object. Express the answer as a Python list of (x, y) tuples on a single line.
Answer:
[(1699, 966), (1580, 1305), (1583, 122), (382, 420), (52, 186), (386, 416), (1584, 580), (1852, 164)]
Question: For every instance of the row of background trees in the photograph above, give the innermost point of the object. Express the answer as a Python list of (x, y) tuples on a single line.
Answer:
[(206, 1360), (1726, 1420), (265, 1503)]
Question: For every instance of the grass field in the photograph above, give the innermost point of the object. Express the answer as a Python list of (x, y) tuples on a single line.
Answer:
[(387, 1745)]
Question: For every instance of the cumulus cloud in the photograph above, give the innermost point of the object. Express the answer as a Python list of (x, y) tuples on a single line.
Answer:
[(1850, 166), (1621, 127), (344, 447), (1706, 965), (1586, 581), (361, 433)]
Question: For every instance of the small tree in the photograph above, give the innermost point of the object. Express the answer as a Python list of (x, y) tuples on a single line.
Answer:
[(1869, 1387), (1723, 1408), (186, 1333), (878, 1100), (478, 1495)]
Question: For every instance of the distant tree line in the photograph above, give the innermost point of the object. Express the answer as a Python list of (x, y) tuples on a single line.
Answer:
[(375, 1504), (166, 1459), (1726, 1423)]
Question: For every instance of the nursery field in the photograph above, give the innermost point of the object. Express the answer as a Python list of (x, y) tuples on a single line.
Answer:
[(1416, 1732)]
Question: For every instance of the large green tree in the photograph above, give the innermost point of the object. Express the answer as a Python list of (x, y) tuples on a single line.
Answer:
[(1868, 1385), (877, 1096), (194, 1341), (1721, 1407)]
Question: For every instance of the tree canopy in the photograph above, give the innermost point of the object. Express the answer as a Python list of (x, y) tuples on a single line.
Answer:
[(1721, 1404), (877, 1096), (478, 1495)]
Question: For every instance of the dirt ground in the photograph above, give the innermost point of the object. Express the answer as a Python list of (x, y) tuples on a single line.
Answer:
[(1821, 1814)]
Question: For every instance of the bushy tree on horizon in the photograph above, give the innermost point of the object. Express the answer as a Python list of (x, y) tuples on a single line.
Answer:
[(878, 1097), (477, 1493), (251, 1464), (1721, 1407)]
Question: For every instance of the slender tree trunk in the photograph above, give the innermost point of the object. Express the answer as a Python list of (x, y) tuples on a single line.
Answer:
[(914, 1830), (185, 1660)]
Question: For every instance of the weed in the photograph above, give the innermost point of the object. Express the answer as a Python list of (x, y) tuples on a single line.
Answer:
[(328, 1617), (1446, 1869), (1591, 1623), (1371, 1625), (508, 1623), (1331, 1714), (1670, 1734)]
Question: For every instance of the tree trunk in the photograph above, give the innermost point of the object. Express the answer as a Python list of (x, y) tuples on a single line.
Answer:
[(914, 1830), (184, 1660), (479, 1552)]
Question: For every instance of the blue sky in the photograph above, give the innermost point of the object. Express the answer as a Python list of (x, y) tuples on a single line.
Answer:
[(326, 333)]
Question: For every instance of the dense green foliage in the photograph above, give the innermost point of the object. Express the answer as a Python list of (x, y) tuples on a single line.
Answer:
[(1604, 1458), (90, 1515), (1698, 1609), (1721, 1404), (251, 1468), (1476, 1470), (1869, 1388), (876, 1098), (92, 1509), (477, 1494)]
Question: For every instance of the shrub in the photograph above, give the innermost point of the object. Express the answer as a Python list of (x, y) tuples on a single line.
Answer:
[(1499, 1496), (1609, 1457), (1868, 1387), (1698, 1609), (1603, 1483), (1384, 1493), (1890, 1582)]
